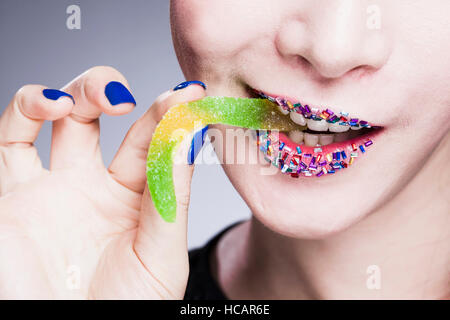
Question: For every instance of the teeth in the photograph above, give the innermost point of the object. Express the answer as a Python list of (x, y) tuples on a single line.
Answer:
[(280, 103), (325, 139), (296, 136), (315, 125), (336, 127), (298, 118), (282, 110), (311, 139)]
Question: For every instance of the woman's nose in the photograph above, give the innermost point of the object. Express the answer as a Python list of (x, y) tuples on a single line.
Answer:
[(334, 37)]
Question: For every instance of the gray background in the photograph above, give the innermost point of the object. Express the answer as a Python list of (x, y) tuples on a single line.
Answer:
[(132, 36)]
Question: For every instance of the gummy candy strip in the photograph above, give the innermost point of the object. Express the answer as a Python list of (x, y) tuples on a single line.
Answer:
[(183, 119)]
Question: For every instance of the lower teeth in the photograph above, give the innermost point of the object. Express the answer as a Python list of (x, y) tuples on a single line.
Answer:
[(296, 136), (314, 138)]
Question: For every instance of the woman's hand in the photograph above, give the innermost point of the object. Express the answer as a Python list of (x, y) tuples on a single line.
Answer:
[(81, 230)]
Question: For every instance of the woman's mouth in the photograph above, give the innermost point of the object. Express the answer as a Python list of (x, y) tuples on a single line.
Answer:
[(325, 142)]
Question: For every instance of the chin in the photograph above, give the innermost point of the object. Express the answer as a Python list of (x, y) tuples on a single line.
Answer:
[(299, 209)]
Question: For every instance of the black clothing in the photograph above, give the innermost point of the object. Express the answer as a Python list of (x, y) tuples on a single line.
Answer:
[(201, 284)]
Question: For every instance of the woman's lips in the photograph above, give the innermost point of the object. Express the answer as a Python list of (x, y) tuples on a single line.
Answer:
[(312, 158), (315, 118)]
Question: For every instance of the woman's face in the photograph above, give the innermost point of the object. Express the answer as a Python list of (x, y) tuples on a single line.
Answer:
[(386, 62)]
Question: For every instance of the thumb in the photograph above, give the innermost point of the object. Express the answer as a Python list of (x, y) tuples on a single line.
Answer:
[(162, 246)]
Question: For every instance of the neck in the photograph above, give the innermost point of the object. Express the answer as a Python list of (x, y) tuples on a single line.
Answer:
[(399, 252)]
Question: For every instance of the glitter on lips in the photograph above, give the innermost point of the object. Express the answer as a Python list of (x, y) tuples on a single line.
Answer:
[(317, 163), (316, 114), (295, 163)]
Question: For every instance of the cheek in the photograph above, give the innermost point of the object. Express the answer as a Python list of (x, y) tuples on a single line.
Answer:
[(422, 65), (215, 28), (297, 209)]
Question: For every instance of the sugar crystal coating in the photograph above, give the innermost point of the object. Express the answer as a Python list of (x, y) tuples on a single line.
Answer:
[(182, 119)]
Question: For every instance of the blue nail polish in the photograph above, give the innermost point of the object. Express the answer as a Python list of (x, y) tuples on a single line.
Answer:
[(54, 94), (188, 83), (117, 93), (196, 145)]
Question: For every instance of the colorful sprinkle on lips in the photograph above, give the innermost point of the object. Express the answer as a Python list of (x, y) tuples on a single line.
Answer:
[(319, 160)]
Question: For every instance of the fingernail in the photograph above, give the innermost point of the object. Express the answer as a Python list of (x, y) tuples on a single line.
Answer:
[(196, 145), (117, 93), (54, 94), (188, 83)]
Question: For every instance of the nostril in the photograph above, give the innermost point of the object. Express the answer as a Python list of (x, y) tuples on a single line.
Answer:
[(361, 71)]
